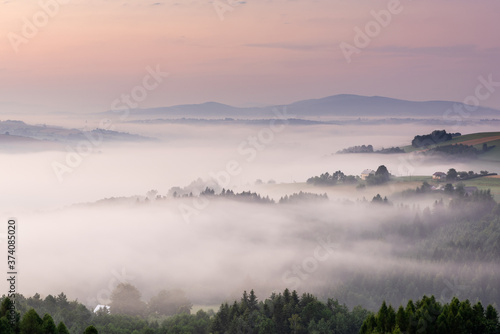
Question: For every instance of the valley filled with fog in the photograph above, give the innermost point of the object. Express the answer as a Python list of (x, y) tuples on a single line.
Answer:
[(256, 167), (97, 222)]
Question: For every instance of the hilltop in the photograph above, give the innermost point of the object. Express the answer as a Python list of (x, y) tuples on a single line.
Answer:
[(343, 105)]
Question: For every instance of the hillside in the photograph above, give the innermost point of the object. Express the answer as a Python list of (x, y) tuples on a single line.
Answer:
[(19, 131), (477, 140), (344, 105)]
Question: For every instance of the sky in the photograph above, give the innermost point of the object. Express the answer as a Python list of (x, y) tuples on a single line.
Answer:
[(83, 55)]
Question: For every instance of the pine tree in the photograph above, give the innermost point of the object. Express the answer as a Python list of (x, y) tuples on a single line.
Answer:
[(401, 319), (31, 323), (62, 329), (5, 327), (382, 318), (91, 330), (391, 319), (5, 307), (244, 302), (252, 301), (492, 325), (295, 325), (48, 325)]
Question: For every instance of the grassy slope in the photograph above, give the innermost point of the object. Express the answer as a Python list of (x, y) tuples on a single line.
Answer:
[(396, 185), (492, 155)]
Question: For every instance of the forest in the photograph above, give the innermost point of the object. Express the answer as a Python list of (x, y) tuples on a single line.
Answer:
[(284, 313), (460, 237)]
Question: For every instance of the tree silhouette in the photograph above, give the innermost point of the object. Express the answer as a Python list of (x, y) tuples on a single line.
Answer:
[(126, 299)]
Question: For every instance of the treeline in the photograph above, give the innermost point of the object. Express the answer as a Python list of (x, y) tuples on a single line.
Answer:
[(127, 312), (11, 321), (327, 179), (454, 175), (69, 315), (429, 316), (380, 176), (391, 150), (245, 196), (282, 313), (302, 197), (286, 313), (248, 196), (460, 150), (253, 197), (369, 149), (357, 149), (435, 137), (29, 322)]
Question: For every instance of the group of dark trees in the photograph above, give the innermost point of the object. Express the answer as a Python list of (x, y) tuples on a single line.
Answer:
[(377, 199), (282, 313), (27, 321), (11, 322), (245, 196), (458, 150), (302, 197), (126, 299), (429, 316), (357, 149), (453, 175), (391, 150), (127, 312), (71, 316), (285, 313), (327, 179), (369, 149), (381, 176), (435, 137)]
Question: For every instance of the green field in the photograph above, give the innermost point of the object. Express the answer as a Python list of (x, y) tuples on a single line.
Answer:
[(485, 183)]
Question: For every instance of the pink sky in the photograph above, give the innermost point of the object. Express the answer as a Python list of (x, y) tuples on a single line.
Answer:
[(264, 51)]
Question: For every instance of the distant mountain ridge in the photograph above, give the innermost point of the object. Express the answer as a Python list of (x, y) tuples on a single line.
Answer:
[(343, 105), (19, 131)]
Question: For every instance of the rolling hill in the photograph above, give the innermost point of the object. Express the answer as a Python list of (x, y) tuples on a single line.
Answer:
[(344, 105), (13, 130), (491, 139)]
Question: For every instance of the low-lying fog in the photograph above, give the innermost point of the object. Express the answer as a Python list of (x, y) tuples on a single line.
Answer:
[(227, 246), (183, 153)]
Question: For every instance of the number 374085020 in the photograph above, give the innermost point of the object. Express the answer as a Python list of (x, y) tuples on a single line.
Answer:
[(11, 259)]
